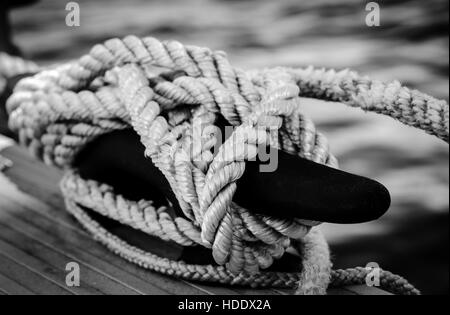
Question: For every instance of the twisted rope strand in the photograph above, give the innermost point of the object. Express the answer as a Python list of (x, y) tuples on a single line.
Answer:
[(410, 107)]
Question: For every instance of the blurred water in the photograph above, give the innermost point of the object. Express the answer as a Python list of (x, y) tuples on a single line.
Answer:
[(410, 46)]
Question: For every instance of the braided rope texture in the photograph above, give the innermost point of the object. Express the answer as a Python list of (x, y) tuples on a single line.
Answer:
[(388, 281), (172, 96)]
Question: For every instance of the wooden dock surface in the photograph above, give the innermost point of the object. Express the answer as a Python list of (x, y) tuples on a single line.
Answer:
[(38, 238)]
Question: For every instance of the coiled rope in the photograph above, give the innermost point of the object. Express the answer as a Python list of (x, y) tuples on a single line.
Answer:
[(9, 67), (172, 95)]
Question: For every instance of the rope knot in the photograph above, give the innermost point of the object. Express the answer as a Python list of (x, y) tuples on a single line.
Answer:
[(173, 96)]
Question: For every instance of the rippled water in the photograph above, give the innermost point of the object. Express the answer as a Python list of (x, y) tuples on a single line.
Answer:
[(410, 46)]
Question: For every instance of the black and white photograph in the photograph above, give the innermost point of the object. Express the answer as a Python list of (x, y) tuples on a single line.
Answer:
[(224, 155)]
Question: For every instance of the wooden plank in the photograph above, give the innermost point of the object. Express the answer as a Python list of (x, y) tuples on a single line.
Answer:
[(9, 286), (39, 271), (63, 216), (62, 244), (32, 205), (366, 290), (43, 260), (340, 291), (79, 248), (27, 278), (250, 291), (33, 177), (101, 254), (284, 291)]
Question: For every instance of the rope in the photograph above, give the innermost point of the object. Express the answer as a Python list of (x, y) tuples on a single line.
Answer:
[(9, 67), (172, 95), (411, 107), (388, 281)]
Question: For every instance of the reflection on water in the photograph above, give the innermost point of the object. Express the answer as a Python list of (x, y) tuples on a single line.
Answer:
[(410, 46)]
